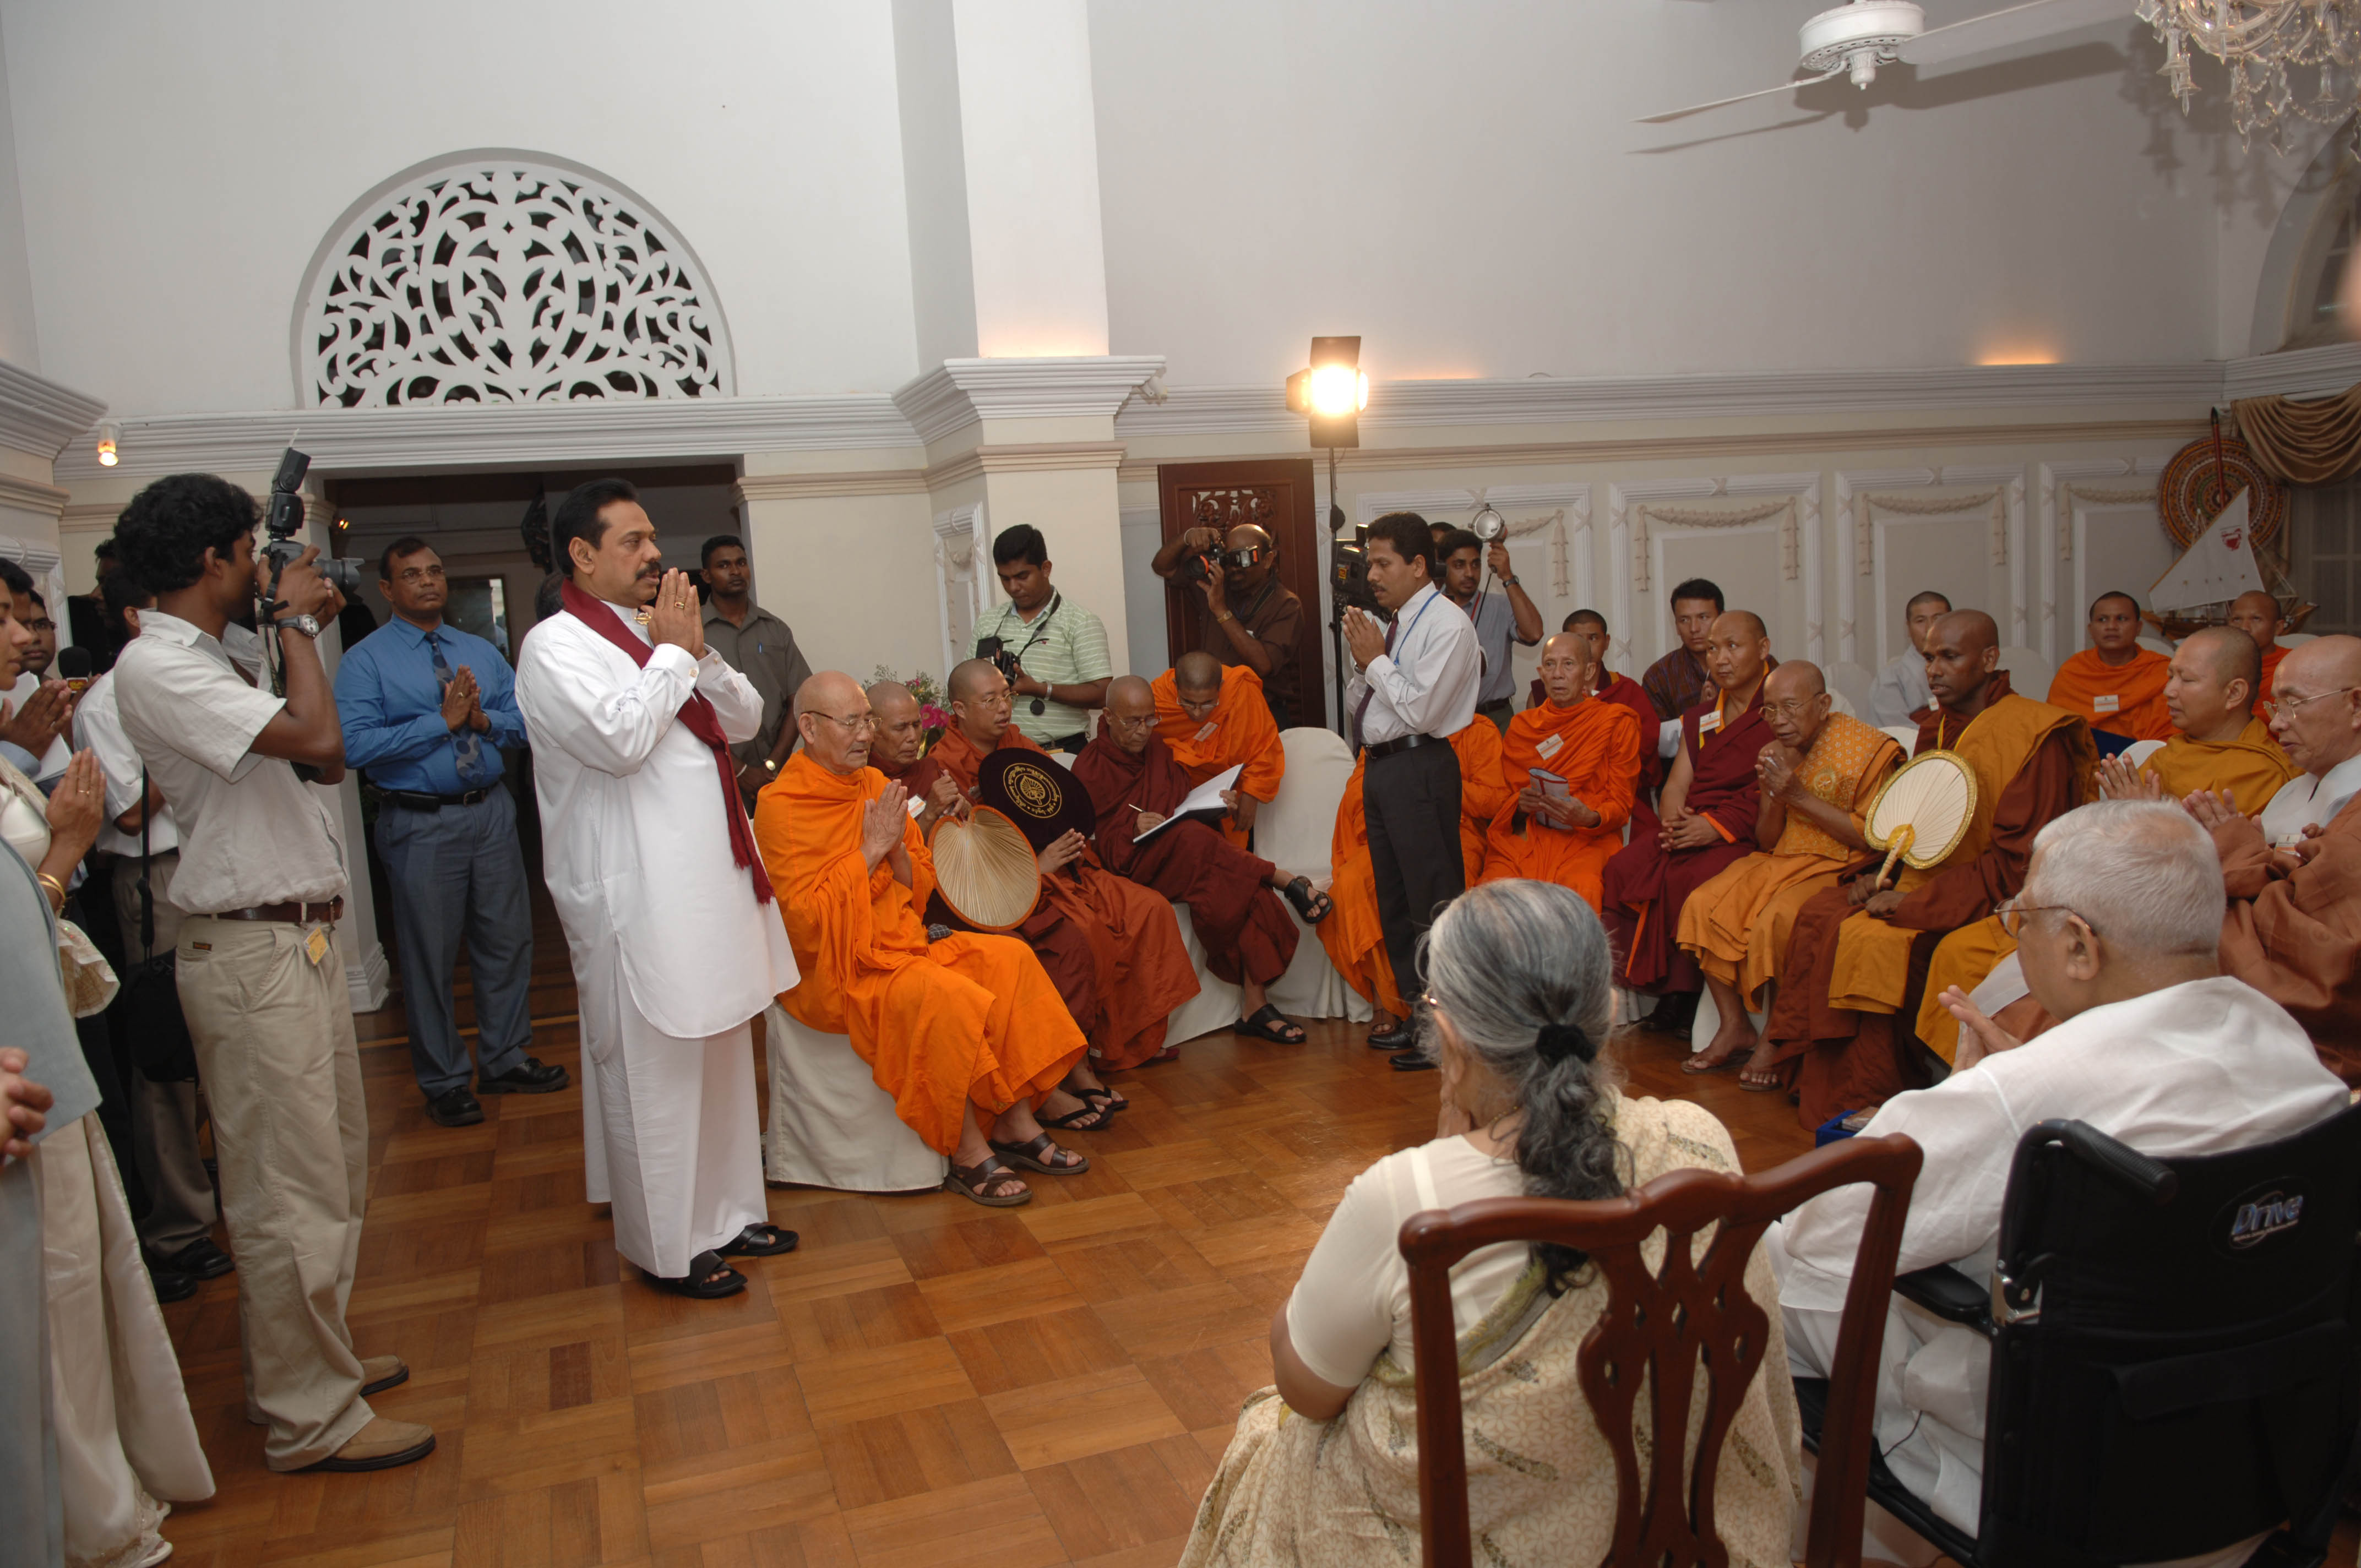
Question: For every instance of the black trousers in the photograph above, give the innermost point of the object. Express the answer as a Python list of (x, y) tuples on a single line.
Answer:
[(1411, 802)]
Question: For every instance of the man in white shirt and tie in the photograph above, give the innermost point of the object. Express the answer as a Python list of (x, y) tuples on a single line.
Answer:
[(1413, 686)]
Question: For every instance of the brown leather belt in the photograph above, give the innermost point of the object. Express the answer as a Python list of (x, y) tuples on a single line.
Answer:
[(289, 914)]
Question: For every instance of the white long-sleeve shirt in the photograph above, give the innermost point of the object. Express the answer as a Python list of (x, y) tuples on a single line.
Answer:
[(635, 831), (1901, 690), (1426, 685)]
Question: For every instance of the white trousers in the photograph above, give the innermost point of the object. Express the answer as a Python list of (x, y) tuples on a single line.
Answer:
[(669, 1129)]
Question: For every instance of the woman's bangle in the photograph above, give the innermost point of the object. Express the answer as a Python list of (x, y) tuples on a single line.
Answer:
[(53, 884)]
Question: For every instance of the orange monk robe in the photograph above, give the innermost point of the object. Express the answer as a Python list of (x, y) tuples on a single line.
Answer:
[(1356, 943), (971, 1017), (1142, 966), (1738, 924), (2271, 657), (1241, 731), (2122, 699), (1594, 746)]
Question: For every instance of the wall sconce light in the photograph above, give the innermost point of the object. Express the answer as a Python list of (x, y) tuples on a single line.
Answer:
[(106, 438)]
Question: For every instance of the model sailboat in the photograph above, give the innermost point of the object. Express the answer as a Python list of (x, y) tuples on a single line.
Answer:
[(2199, 588)]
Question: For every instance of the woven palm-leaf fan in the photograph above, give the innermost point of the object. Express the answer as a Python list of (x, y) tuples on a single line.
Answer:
[(985, 869), (1923, 812)]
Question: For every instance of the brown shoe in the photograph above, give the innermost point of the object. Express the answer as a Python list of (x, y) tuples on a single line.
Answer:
[(380, 1445), (379, 1373)]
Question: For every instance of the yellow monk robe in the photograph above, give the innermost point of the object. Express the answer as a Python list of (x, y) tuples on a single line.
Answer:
[(1356, 943), (2251, 768), (971, 1017), (1241, 731), (2122, 699), (1594, 746), (1738, 924)]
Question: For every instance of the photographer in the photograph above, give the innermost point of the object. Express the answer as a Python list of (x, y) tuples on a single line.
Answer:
[(1251, 618), (1053, 653), (262, 879)]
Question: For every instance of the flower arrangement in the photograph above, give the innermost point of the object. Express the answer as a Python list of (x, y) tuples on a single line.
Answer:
[(930, 700)]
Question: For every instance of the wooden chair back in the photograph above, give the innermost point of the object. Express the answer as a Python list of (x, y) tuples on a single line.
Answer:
[(1656, 1329)]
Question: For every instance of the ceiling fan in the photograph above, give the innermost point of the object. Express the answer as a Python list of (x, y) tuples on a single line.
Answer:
[(1857, 37)]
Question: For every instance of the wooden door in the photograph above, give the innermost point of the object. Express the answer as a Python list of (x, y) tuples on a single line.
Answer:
[(1277, 496)]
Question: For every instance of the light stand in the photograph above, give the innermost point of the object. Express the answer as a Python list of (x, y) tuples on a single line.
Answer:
[(1331, 393)]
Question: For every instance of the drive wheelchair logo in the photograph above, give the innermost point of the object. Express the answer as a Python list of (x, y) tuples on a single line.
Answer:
[(2257, 1215)]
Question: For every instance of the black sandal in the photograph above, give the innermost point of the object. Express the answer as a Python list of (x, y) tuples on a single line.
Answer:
[(1307, 898), (744, 1244), (1029, 1154), (1112, 1102), (1073, 1120), (1271, 1024), (970, 1181), (707, 1279)]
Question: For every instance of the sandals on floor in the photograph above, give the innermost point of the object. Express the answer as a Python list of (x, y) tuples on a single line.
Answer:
[(1030, 1153), (1774, 1084), (1306, 899), (1271, 1024), (700, 1284), (970, 1181), (1113, 1101), (746, 1244), (1689, 1064), (1075, 1121)]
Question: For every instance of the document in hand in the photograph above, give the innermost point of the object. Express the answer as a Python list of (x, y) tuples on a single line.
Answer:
[(1554, 787), (1203, 804)]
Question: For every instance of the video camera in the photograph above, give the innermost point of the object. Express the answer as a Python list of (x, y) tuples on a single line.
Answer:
[(284, 521), (1348, 568)]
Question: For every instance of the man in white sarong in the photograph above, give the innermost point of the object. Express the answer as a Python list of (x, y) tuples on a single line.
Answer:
[(2119, 936), (667, 912)]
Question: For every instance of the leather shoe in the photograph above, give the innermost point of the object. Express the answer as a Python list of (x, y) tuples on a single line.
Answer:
[(1412, 1061), (379, 1373), (380, 1445), (171, 1284), (455, 1108), (1393, 1037), (532, 1078), (200, 1257)]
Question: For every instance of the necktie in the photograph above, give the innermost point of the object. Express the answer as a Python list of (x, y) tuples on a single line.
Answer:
[(465, 742), (1369, 690)]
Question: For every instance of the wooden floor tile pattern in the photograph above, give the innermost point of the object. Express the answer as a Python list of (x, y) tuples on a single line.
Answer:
[(925, 1381)]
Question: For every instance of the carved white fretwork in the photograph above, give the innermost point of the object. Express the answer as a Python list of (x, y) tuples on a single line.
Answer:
[(1863, 494), (2070, 490), (502, 280), (1641, 513), (962, 587), (1569, 559)]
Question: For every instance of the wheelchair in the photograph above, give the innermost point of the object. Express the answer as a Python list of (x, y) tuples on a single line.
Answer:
[(2174, 1363)]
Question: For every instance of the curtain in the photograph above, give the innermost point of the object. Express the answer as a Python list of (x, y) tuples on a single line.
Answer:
[(2316, 441)]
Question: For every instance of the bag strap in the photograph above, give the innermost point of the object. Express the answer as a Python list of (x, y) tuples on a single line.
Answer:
[(146, 897)]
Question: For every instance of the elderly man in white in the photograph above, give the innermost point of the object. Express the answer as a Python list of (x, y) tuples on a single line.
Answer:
[(667, 912), (2118, 926)]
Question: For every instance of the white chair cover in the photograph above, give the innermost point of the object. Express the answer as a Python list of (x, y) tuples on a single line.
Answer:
[(1904, 736), (2029, 673), (2157, 645), (2295, 639), (1296, 830), (1854, 684), (1840, 703), (2140, 751), (1216, 1005), (831, 1125)]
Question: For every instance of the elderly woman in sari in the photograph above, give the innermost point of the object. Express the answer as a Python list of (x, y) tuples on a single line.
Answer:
[(1323, 1468)]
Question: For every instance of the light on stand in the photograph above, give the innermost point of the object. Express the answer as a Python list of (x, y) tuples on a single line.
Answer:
[(107, 437), (1331, 392)]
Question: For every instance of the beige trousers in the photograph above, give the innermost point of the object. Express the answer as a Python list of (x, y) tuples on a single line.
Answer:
[(274, 1039)]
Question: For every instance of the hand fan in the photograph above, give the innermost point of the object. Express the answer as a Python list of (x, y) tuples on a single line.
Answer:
[(1923, 812), (985, 869)]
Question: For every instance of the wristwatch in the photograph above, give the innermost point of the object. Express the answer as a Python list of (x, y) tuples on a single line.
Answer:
[(1225, 616), (309, 625), (770, 764), (1507, 582)]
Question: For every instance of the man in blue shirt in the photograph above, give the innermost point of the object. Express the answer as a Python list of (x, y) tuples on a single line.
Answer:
[(426, 709)]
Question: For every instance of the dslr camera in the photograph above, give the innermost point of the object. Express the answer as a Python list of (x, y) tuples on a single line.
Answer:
[(996, 651), (1195, 569), (284, 521)]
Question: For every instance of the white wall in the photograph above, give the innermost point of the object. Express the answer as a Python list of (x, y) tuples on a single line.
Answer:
[(1464, 188), (180, 165)]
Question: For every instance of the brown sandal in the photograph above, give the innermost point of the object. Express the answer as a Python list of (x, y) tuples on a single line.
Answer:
[(970, 1181), (1035, 1154)]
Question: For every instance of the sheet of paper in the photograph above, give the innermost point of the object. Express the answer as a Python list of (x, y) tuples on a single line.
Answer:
[(1206, 797)]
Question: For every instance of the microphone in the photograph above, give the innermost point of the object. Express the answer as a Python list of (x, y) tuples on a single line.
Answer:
[(74, 665)]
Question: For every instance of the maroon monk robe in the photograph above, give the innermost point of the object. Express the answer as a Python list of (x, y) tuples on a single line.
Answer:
[(1850, 1061), (1646, 884), (1244, 927)]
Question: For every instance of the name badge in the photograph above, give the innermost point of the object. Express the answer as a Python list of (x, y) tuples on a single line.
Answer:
[(1709, 723), (2111, 703), (1551, 747), (315, 945), (1206, 732)]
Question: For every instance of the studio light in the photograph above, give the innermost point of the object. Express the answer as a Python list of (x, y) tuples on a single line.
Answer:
[(1332, 392), (106, 453)]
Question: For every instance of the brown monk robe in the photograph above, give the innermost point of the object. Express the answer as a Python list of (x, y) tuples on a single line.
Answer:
[(2218, 747), (965, 1033), (1818, 776), (1709, 811), (1592, 746), (1856, 965), (1134, 785), (1139, 964), (1212, 718)]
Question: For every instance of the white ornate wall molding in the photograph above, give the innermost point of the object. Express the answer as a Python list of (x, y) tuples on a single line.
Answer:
[(506, 278), (961, 392), (1862, 493), (962, 580), (40, 416), (42, 561), (1643, 514), (1570, 551), (2301, 373), (2069, 488)]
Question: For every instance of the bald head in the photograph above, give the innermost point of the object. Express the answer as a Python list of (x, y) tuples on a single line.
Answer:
[(1796, 702), (1565, 669), (1248, 536), (1796, 678), (826, 690), (2317, 713), (980, 705), (832, 714), (1963, 651), (1130, 716), (2210, 685), (1197, 672), (890, 697), (969, 677), (2229, 652), (2256, 614), (899, 726), (1737, 647)]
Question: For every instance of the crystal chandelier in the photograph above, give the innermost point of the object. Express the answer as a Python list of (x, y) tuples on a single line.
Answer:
[(2260, 41)]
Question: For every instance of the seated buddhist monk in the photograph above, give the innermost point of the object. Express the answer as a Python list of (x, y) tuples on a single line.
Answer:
[(1569, 769), (1705, 821), (2259, 616), (1621, 690), (1139, 967), (1857, 962), (1135, 785), (966, 1034), (1819, 775), (1212, 717), (1354, 940), (2114, 685), (2217, 746)]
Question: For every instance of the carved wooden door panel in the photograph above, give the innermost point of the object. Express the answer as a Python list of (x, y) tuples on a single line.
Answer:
[(1275, 496)]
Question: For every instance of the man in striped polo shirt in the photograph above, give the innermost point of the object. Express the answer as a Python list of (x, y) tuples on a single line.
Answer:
[(1061, 649)]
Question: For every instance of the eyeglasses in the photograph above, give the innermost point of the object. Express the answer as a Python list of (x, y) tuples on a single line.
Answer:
[(2274, 706), (2013, 914), (419, 575), (853, 726)]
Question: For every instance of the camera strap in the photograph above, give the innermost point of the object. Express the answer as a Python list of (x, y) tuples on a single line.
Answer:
[(1057, 597)]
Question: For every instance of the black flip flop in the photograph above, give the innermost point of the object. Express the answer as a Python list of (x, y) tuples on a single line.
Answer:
[(1072, 1121), (743, 1244), (1306, 898), (697, 1283), (1113, 1102), (1269, 1024), (1028, 1154)]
